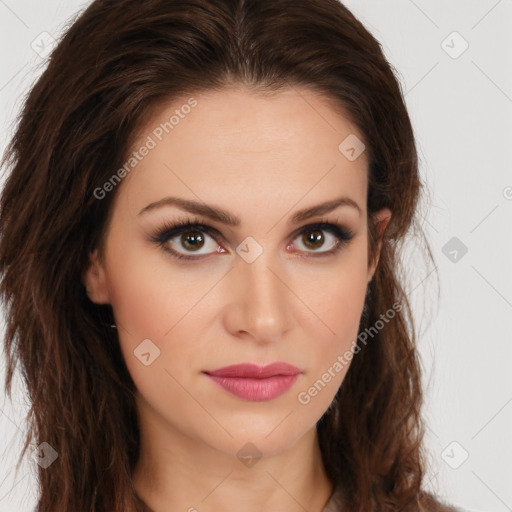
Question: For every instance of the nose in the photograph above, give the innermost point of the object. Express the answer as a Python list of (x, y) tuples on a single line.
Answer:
[(258, 305)]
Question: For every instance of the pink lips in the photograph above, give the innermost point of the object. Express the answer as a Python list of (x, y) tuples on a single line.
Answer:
[(256, 383)]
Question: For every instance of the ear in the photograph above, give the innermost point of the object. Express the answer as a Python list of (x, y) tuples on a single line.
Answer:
[(382, 218), (95, 281)]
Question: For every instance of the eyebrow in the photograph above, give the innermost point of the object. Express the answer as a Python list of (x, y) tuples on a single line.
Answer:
[(224, 217)]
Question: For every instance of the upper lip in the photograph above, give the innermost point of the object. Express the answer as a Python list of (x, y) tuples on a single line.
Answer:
[(254, 370)]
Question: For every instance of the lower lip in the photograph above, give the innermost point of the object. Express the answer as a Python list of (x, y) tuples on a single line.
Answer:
[(256, 390)]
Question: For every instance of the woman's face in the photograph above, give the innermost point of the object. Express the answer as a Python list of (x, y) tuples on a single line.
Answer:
[(268, 286)]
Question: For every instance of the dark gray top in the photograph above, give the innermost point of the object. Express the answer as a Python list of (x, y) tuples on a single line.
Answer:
[(333, 505)]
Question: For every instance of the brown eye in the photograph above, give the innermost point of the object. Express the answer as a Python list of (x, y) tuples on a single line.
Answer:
[(192, 240), (185, 238), (316, 236), (313, 239)]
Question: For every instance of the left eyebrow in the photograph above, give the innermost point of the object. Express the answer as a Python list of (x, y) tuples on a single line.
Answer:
[(225, 217), (324, 208)]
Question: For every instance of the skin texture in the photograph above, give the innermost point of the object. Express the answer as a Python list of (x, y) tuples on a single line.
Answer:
[(262, 159)]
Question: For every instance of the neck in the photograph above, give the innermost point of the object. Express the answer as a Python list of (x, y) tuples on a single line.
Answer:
[(177, 471)]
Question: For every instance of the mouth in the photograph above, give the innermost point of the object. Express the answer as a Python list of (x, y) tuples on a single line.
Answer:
[(255, 383)]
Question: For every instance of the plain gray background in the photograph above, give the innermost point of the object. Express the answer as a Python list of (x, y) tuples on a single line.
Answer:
[(454, 63)]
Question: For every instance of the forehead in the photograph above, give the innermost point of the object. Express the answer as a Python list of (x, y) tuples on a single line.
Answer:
[(247, 149)]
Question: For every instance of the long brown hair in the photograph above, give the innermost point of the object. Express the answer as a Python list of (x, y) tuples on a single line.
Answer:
[(118, 61)]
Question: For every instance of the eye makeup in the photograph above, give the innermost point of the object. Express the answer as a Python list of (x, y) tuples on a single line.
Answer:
[(194, 226)]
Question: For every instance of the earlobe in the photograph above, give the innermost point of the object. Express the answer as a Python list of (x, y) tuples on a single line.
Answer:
[(381, 219), (95, 282)]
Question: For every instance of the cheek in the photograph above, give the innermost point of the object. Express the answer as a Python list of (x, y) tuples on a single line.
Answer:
[(153, 315), (138, 299), (149, 293), (151, 302), (336, 297), (343, 296), (341, 312), (339, 307)]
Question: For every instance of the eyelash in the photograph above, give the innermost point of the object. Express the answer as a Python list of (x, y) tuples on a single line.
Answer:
[(169, 231)]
